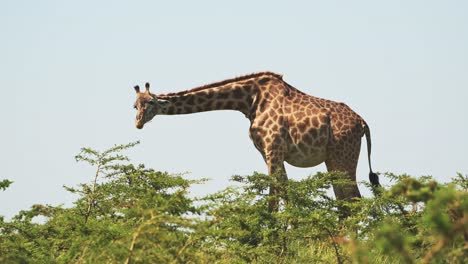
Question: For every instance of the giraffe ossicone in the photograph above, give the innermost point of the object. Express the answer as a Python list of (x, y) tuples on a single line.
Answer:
[(286, 125)]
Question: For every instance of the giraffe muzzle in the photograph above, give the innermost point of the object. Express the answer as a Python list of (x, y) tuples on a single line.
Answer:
[(139, 125)]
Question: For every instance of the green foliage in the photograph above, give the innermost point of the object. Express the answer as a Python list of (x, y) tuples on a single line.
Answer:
[(128, 213), (5, 184)]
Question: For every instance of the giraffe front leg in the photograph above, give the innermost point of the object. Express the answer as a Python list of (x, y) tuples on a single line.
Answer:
[(272, 147), (278, 179)]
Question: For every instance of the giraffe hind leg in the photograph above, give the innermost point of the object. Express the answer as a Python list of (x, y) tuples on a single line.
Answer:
[(345, 161), (345, 191)]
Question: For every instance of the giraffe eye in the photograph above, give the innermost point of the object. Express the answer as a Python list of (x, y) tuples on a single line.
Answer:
[(134, 106)]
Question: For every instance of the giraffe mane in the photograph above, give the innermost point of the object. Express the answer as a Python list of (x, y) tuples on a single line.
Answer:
[(227, 81)]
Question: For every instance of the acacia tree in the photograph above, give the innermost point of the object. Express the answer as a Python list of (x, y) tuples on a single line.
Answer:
[(128, 213), (4, 184)]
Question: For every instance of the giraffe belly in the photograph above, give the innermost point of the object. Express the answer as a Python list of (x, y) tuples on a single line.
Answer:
[(311, 158)]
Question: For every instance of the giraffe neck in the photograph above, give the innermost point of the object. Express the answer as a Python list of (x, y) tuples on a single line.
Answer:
[(226, 97), (235, 94)]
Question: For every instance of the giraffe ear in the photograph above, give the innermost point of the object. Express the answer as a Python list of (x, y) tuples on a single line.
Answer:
[(147, 86), (137, 88)]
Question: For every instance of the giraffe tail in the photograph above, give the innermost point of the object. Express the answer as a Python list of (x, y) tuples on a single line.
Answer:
[(373, 177)]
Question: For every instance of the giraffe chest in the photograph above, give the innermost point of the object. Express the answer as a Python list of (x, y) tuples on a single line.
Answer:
[(302, 142)]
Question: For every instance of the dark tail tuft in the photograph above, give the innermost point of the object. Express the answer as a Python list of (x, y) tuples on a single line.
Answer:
[(374, 179)]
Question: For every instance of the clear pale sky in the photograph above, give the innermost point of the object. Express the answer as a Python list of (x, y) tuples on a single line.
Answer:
[(67, 70)]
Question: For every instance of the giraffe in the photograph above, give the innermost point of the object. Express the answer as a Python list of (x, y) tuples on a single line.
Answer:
[(286, 125)]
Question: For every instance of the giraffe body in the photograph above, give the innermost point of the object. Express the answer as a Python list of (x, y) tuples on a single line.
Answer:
[(285, 123)]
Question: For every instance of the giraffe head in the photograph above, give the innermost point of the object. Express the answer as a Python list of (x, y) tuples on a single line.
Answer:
[(146, 105)]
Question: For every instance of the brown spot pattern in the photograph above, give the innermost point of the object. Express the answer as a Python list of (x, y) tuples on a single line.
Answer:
[(286, 124)]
